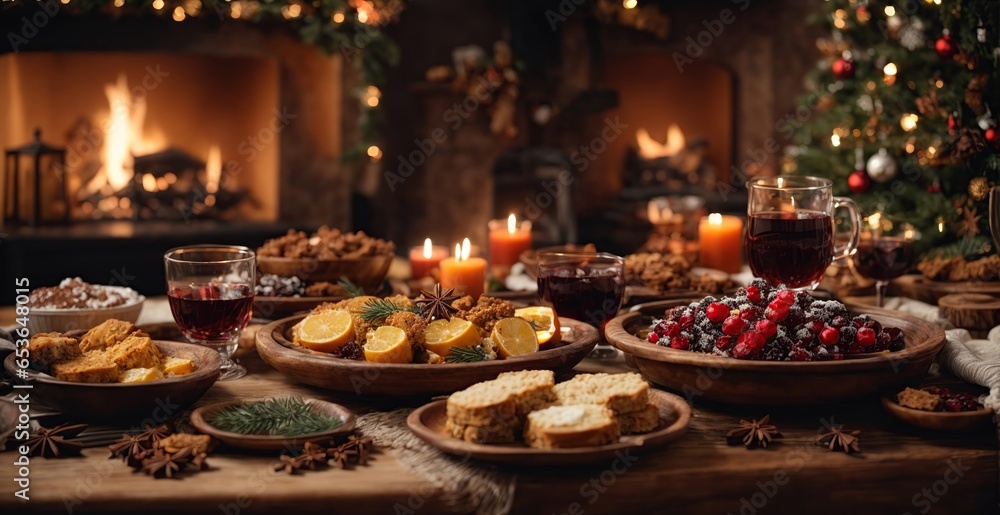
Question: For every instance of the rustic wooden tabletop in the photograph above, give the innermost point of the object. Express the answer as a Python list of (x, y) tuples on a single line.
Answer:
[(901, 470)]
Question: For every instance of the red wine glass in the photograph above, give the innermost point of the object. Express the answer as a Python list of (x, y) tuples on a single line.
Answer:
[(885, 251), (210, 289), (790, 229), (585, 286)]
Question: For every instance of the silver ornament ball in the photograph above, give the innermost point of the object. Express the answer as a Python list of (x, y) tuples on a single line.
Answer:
[(881, 166)]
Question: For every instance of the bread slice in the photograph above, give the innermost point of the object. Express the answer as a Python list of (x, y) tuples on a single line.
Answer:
[(642, 421), (510, 395), (621, 393), (47, 349), (502, 432), (136, 351), (582, 425), (108, 334), (93, 367)]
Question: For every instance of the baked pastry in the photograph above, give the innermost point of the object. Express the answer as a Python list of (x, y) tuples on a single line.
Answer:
[(510, 395), (499, 432), (178, 441), (93, 367), (621, 393), (107, 334), (642, 421), (918, 399), (136, 351), (47, 349), (571, 426)]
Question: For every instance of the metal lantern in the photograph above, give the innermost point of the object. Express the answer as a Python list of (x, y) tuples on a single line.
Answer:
[(36, 164)]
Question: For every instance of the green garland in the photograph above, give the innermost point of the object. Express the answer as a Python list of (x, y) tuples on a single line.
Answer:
[(350, 27)]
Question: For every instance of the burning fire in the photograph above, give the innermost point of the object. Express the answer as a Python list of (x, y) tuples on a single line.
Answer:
[(649, 148)]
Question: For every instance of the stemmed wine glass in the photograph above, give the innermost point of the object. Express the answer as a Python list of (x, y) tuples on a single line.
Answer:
[(885, 251), (210, 289), (585, 286)]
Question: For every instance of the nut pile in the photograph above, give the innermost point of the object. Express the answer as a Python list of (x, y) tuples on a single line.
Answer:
[(326, 244), (670, 272)]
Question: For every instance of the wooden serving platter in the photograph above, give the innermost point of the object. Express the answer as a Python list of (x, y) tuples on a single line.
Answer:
[(106, 402), (725, 379), (937, 420), (201, 416), (925, 290), (428, 423), (410, 379)]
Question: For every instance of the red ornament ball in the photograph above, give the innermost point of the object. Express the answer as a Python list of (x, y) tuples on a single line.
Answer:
[(859, 182), (952, 124), (945, 47), (843, 68), (991, 135)]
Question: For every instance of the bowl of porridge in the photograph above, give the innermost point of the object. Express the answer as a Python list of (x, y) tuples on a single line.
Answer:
[(73, 304)]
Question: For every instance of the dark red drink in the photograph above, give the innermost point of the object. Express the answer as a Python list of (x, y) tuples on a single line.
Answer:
[(793, 249), (884, 258), (588, 293), (211, 312)]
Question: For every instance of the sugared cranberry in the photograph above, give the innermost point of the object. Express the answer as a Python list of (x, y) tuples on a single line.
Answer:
[(724, 342), (858, 322), (874, 326), (953, 405), (751, 313), (733, 325), (767, 328), (680, 342), (838, 322), (671, 329), (741, 351), (829, 336), (776, 312), (753, 339), (814, 326), (753, 293), (717, 312), (799, 354), (865, 337), (686, 321), (894, 332), (653, 338), (787, 297)]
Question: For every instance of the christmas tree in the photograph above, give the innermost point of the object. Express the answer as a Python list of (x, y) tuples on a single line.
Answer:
[(902, 114)]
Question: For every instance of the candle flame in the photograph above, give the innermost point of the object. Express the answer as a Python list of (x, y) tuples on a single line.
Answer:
[(458, 252), (466, 247), (511, 223), (715, 219), (427, 248)]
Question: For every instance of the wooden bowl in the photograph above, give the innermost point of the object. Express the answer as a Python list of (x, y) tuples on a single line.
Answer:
[(926, 290), (428, 423), (720, 378), (410, 379), (43, 320), (200, 417), (937, 420), (366, 272), (154, 401)]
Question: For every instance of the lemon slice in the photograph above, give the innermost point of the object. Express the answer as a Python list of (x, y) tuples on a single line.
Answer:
[(326, 331), (441, 335), (388, 344), (545, 322), (141, 375), (514, 337)]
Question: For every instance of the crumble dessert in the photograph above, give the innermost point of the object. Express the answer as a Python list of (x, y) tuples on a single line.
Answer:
[(74, 293)]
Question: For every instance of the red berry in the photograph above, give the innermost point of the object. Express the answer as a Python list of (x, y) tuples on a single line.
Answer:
[(733, 325), (865, 337), (753, 339), (686, 321), (799, 354), (767, 328), (724, 342), (953, 405), (671, 329), (829, 336), (653, 338), (753, 294), (680, 342), (776, 312), (741, 351), (717, 312), (815, 327), (787, 297)]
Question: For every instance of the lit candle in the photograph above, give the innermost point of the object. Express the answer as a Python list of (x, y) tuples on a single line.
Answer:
[(720, 238), (425, 258), (508, 239), (466, 274)]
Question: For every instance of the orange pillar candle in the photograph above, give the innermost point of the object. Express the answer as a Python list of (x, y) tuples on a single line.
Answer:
[(508, 239), (467, 275), (425, 258), (721, 240)]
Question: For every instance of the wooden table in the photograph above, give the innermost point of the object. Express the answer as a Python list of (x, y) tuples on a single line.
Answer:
[(900, 471)]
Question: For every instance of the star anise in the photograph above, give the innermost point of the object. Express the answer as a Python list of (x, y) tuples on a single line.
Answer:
[(131, 449), (838, 439), (154, 434), (340, 458), (287, 464), (312, 456), (161, 464), (753, 433), (198, 460), (437, 303), (364, 446), (53, 443)]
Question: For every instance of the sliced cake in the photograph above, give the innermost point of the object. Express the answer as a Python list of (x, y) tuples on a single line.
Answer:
[(571, 426), (108, 334), (621, 393), (93, 367), (642, 421), (510, 395), (47, 349), (136, 351)]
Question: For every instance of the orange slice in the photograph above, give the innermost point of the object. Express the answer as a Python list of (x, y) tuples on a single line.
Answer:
[(441, 335), (326, 331), (388, 344), (545, 322), (514, 337)]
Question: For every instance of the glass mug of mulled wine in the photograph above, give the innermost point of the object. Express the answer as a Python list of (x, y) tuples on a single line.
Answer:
[(585, 286), (790, 229), (210, 290)]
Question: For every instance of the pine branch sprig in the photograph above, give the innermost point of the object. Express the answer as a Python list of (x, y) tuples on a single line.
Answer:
[(280, 416), (352, 289), (375, 311), (466, 355)]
